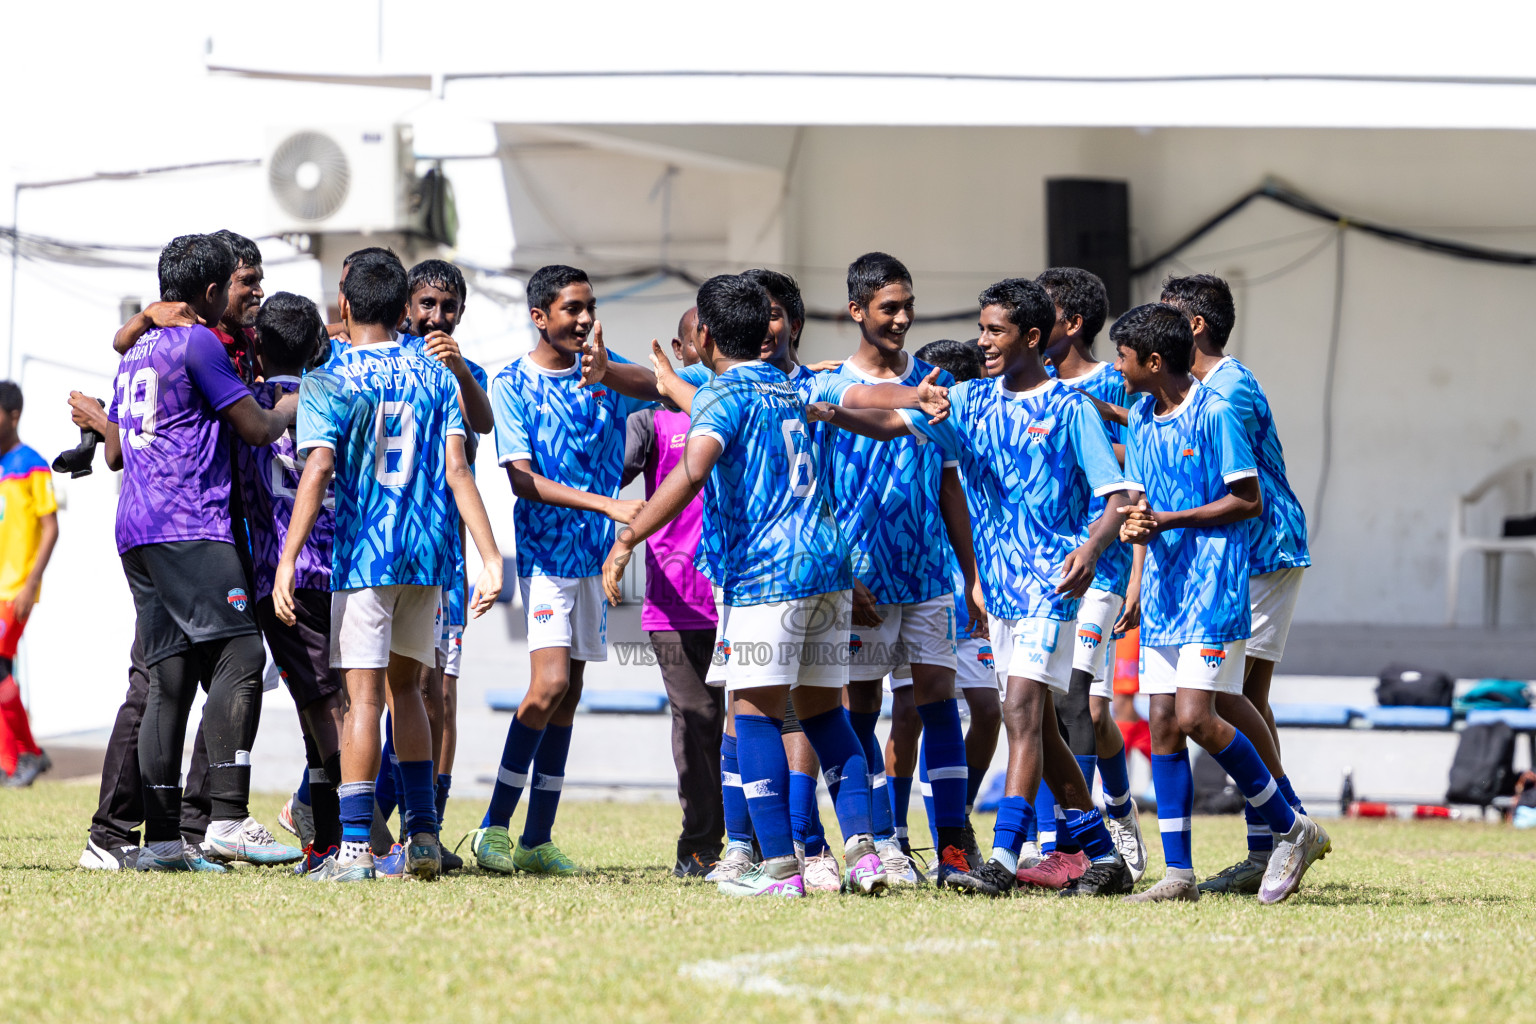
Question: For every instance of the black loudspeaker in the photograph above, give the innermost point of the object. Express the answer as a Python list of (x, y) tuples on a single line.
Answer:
[(1088, 225)]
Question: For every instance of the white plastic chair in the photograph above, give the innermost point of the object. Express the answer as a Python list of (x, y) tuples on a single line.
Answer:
[(1516, 485)]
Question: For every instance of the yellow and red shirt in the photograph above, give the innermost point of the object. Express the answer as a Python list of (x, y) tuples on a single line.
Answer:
[(26, 496)]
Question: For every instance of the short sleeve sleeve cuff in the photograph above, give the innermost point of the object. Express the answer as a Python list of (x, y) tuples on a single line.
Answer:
[(1239, 474)]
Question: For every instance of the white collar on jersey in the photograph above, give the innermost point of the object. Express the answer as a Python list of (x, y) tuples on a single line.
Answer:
[(906, 370), (1072, 382), (1037, 390), (1174, 414), (575, 367)]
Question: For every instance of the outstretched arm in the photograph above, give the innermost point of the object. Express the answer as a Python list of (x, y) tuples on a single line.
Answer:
[(930, 396), (472, 513), (672, 495), (257, 426), (528, 485)]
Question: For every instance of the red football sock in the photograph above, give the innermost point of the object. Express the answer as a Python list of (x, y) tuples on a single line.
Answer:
[(15, 730)]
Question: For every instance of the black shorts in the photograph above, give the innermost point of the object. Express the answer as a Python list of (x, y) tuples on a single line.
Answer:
[(303, 650), (187, 592)]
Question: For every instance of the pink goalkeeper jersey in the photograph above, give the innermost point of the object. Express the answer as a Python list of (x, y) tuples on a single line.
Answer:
[(677, 596)]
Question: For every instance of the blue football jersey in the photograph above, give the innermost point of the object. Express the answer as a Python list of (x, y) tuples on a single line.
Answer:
[(573, 436), (1031, 463), (1105, 383), (776, 538), (387, 412), (1278, 536), (886, 498), (1194, 583)]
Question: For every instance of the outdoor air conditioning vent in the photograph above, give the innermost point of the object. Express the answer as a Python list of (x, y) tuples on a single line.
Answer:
[(309, 176)]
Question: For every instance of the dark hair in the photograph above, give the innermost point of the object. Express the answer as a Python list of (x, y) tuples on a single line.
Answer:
[(1079, 293), (291, 330), (736, 311), (546, 284), (873, 271), (370, 250), (1027, 304), (1207, 296), (1156, 327), (781, 288), (10, 396), (963, 359), (190, 263), (244, 249), (438, 274), (376, 289)]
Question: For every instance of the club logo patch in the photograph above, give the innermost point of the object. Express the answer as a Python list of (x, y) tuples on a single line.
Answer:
[(1090, 635), (237, 599), (1213, 656), (855, 645), (543, 613), (1038, 431), (985, 656), (722, 651)]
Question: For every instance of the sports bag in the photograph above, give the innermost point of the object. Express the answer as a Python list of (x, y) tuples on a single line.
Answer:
[(1407, 686), (1484, 766)]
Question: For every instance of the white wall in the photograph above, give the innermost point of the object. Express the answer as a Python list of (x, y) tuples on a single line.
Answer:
[(1436, 354)]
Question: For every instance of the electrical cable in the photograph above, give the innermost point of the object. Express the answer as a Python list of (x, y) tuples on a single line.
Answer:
[(1330, 366)]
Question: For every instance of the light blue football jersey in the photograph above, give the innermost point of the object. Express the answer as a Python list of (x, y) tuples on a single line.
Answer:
[(1278, 536), (776, 538), (573, 436), (1106, 384), (886, 498), (1031, 463), (1194, 583), (387, 412)]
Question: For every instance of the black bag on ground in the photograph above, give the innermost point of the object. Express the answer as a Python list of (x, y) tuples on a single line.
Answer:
[(1484, 766), (1406, 686), (1214, 792)]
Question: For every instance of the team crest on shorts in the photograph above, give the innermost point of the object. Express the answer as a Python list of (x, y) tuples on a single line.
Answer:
[(543, 613), (855, 645), (237, 599), (985, 656), (1090, 634), (722, 651), (1213, 656)]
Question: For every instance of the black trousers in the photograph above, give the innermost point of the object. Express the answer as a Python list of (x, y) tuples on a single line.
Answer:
[(120, 810), (698, 722)]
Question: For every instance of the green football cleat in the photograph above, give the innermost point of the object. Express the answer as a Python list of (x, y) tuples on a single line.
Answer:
[(544, 859), (492, 847)]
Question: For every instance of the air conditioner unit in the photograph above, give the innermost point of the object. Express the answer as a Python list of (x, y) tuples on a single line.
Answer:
[(343, 179)]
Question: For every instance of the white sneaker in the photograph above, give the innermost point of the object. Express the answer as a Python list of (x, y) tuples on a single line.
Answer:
[(100, 858), (823, 873), (734, 863), (249, 841), (1126, 832), (1294, 853), (898, 867), (1029, 855)]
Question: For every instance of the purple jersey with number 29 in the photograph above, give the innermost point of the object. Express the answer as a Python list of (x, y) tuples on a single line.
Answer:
[(171, 386)]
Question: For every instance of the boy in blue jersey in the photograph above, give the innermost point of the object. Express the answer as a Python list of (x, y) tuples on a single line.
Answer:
[(1277, 539), (384, 423), (1186, 445), (785, 575), (893, 499), (1033, 454), (563, 447), (1082, 305)]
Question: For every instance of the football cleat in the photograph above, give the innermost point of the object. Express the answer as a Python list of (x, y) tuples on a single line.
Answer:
[(1056, 871), (1126, 832), (28, 768), (991, 879), (756, 881), (694, 865), (734, 863), (188, 860), (1241, 879), (1169, 890), (424, 856), (392, 864), (252, 843), (822, 873), (312, 859), (1294, 853), (898, 866), (544, 859), (492, 848), (866, 872), (334, 869), (953, 861), (1110, 878), (102, 858)]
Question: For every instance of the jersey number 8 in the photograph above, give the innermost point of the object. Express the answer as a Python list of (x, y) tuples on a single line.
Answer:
[(802, 476), (396, 446)]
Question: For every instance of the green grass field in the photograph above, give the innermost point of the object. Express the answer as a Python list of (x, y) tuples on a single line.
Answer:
[(1404, 921)]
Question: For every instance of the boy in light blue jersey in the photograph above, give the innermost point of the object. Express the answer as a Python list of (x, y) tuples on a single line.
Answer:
[(384, 423), (1187, 447), (900, 507), (1082, 305), (1277, 539), (784, 572), (1033, 454)]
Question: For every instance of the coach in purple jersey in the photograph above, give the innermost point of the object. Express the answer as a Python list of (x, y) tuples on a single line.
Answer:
[(175, 390)]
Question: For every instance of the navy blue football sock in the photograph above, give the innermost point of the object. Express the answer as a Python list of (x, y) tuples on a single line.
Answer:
[(444, 784), (516, 755), (548, 779), (420, 803), (863, 725), (842, 759)]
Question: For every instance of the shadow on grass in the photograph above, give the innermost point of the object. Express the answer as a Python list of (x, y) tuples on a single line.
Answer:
[(1338, 894)]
